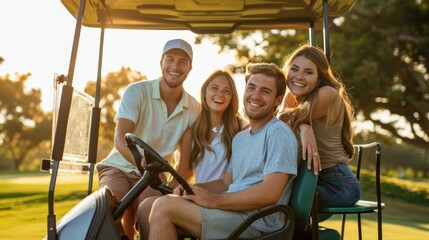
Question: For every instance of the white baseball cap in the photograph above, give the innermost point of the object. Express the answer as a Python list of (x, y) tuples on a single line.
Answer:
[(179, 44)]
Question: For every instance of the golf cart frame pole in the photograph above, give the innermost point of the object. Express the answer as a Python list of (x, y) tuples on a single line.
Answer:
[(61, 126), (96, 110), (311, 34), (326, 46)]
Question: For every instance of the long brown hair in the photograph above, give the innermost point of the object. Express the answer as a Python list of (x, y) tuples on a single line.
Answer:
[(201, 128), (302, 111)]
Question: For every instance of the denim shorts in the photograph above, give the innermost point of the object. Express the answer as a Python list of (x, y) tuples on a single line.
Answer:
[(338, 187)]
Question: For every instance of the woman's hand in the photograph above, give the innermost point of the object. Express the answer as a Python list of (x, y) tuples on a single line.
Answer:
[(309, 148)]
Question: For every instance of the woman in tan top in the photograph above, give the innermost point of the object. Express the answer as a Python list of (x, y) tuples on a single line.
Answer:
[(319, 111)]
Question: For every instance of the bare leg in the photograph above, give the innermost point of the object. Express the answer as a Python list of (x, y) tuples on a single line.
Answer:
[(143, 212), (119, 183), (171, 212), (148, 193), (120, 222), (128, 221)]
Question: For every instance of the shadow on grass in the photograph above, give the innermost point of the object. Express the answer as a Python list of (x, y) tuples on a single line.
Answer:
[(405, 214), (13, 199), (19, 194), (396, 212)]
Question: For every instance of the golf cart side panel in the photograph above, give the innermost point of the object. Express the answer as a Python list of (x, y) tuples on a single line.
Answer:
[(207, 16)]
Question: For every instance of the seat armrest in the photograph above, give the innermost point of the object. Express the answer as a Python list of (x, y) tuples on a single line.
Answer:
[(286, 229)]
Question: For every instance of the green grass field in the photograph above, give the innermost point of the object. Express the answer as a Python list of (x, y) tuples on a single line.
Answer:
[(24, 209)]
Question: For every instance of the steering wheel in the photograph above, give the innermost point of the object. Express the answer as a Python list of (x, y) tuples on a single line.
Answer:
[(154, 163)]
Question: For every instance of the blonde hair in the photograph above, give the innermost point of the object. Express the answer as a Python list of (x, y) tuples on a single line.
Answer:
[(201, 128), (301, 112)]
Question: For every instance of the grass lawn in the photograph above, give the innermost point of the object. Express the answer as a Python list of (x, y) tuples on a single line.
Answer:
[(24, 209), (401, 221), (23, 202)]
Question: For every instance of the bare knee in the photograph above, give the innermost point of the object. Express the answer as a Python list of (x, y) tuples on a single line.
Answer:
[(144, 208), (163, 207), (170, 213), (143, 212)]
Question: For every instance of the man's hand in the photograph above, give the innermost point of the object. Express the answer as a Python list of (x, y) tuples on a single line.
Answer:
[(179, 191), (143, 162), (201, 197)]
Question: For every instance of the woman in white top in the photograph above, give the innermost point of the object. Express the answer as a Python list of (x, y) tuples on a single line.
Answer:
[(211, 135)]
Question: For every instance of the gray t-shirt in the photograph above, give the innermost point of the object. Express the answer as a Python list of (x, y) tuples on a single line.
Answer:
[(273, 148)]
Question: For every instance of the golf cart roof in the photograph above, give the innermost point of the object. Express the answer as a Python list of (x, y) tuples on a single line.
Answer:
[(207, 16)]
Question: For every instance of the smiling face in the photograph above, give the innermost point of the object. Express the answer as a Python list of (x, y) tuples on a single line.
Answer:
[(302, 76), (260, 98), (218, 94), (175, 66)]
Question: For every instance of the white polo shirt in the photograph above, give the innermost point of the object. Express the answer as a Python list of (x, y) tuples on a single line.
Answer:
[(141, 103)]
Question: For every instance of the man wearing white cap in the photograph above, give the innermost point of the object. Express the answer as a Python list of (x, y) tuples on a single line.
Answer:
[(157, 111)]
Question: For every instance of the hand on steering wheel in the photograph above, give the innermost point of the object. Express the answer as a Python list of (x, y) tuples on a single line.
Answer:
[(154, 163)]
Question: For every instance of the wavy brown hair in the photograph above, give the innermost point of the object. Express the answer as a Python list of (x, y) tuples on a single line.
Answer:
[(302, 111), (270, 70), (201, 128)]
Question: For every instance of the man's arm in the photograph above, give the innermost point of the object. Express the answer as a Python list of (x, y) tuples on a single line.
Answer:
[(183, 168), (214, 187), (123, 127), (261, 195), (218, 186)]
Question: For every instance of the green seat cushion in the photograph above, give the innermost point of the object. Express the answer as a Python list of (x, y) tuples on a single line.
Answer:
[(360, 207), (328, 234)]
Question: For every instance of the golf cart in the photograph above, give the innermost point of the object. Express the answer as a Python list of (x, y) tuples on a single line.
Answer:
[(93, 217)]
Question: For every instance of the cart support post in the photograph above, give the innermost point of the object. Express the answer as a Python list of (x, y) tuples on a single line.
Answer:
[(96, 111), (311, 34), (326, 30), (60, 131)]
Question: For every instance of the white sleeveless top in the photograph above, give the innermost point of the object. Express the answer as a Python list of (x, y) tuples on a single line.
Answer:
[(214, 164)]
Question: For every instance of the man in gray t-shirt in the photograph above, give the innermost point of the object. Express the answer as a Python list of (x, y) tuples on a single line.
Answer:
[(260, 173)]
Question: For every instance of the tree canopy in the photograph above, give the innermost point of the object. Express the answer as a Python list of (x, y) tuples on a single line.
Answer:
[(23, 124), (380, 50)]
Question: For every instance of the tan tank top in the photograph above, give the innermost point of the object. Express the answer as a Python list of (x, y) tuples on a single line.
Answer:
[(331, 150)]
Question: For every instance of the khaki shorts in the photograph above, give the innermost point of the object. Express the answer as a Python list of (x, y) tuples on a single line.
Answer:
[(219, 224), (121, 182)]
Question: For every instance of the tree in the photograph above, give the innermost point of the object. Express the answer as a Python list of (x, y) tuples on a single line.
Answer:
[(380, 48), (390, 40), (112, 87), (23, 124)]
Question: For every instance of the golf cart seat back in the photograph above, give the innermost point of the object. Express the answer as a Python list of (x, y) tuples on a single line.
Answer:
[(83, 222), (303, 202)]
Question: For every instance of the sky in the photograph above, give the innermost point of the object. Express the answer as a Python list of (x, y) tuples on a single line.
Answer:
[(37, 36)]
